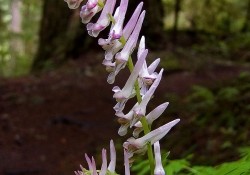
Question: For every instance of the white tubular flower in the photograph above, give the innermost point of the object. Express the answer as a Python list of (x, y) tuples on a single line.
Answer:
[(122, 57), (125, 120), (129, 27), (110, 66), (138, 146), (87, 14), (116, 29), (95, 28), (141, 47), (151, 117), (109, 54), (153, 66), (158, 164), (91, 164), (126, 162), (112, 163), (116, 32), (104, 162), (147, 74), (94, 167), (116, 45), (123, 95), (146, 79), (140, 110), (107, 44), (73, 4)]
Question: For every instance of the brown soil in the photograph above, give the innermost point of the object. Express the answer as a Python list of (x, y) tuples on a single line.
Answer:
[(48, 121)]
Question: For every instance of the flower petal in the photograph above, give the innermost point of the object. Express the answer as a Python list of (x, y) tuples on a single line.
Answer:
[(87, 14), (123, 56), (95, 28), (127, 91), (140, 110), (133, 145), (112, 163), (152, 116), (126, 162), (158, 164), (104, 163)]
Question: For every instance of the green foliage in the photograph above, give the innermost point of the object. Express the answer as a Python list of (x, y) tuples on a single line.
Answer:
[(18, 63), (228, 104), (202, 98), (173, 167), (183, 167), (213, 16)]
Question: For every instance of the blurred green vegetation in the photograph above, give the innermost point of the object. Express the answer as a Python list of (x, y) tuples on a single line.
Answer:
[(18, 63), (226, 105), (211, 16)]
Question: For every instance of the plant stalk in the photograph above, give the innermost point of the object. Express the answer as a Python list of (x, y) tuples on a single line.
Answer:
[(143, 120)]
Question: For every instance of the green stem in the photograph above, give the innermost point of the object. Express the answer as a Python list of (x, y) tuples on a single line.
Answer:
[(146, 127)]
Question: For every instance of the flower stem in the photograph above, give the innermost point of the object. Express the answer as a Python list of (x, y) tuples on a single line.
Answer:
[(143, 120)]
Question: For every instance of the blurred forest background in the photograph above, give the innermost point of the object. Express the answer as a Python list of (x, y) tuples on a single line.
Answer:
[(49, 64)]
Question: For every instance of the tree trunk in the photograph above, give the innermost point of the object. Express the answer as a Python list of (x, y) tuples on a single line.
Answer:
[(177, 9), (61, 35), (16, 42), (153, 27), (246, 26)]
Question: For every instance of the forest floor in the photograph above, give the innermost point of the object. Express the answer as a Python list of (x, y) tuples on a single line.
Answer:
[(48, 121)]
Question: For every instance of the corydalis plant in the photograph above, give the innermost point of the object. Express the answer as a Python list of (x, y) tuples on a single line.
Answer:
[(142, 82)]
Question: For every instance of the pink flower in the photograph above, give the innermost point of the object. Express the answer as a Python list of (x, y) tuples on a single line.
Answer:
[(87, 14), (95, 28)]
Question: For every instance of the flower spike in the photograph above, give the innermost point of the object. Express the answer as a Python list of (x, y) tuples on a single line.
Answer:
[(142, 82)]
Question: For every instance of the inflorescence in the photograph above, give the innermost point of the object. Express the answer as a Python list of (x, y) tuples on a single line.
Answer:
[(142, 82)]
